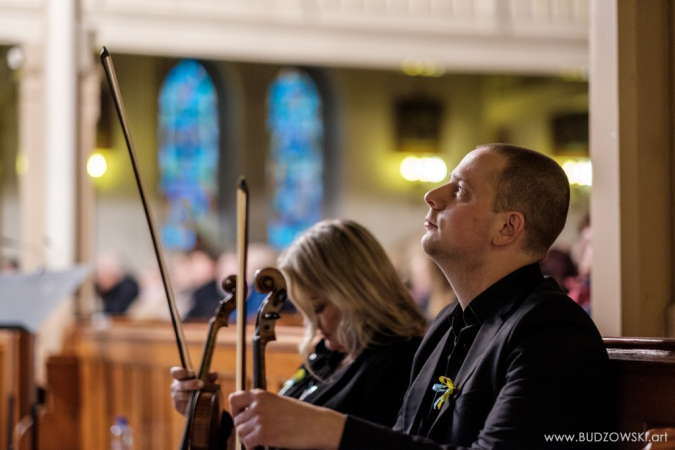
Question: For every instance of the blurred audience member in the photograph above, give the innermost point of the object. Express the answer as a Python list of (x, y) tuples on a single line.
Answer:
[(196, 278), (151, 303), (206, 294), (259, 256), (579, 287), (117, 288), (560, 266), (9, 265)]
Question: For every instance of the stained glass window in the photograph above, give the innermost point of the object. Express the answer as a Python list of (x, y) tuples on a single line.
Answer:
[(296, 163), (188, 153)]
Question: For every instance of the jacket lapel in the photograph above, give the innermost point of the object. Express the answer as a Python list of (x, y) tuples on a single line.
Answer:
[(483, 339), (421, 385)]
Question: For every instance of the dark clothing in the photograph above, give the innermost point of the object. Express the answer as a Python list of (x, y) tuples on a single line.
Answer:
[(205, 300), (537, 366), (464, 326), (120, 296), (371, 387)]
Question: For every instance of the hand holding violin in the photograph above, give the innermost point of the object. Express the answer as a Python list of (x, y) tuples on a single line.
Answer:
[(183, 385), (262, 418)]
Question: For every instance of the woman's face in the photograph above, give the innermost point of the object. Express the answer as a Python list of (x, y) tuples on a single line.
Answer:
[(328, 319)]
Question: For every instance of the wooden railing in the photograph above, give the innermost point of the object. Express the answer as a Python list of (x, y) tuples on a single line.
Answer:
[(124, 371)]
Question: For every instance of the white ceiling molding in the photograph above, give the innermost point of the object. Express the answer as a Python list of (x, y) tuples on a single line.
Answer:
[(516, 36), (22, 21)]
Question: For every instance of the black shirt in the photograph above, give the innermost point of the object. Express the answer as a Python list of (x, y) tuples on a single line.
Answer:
[(464, 326)]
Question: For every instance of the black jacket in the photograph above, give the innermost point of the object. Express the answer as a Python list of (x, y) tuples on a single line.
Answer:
[(538, 366)]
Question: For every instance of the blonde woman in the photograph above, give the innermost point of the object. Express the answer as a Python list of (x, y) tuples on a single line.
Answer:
[(362, 325)]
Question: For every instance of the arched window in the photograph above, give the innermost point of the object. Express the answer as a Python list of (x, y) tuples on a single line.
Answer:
[(188, 153), (295, 122)]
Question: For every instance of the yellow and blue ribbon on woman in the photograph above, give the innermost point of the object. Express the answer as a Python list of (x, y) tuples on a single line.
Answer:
[(446, 387), (298, 376)]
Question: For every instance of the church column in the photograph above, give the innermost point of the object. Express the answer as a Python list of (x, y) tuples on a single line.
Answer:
[(61, 139), (88, 113), (631, 149), (31, 167)]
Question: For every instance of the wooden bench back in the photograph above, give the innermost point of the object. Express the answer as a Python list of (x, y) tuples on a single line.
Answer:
[(645, 383)]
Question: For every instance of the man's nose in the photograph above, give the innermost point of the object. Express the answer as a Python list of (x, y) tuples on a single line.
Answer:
[(433, 199)]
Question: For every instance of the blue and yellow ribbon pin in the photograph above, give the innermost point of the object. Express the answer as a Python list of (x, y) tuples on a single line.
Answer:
[(446, 387), (299, 375)]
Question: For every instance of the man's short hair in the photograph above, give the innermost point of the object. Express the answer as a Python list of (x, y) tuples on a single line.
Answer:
[(536, 186)]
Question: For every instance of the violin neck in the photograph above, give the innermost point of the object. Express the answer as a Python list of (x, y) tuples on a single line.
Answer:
[(259, 373), (209, 347)]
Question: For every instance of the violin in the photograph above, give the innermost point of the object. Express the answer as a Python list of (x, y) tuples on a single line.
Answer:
[(202, 430), (272, 282), (204, 412)]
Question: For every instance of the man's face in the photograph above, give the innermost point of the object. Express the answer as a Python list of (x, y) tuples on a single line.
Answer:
[(460, 223)]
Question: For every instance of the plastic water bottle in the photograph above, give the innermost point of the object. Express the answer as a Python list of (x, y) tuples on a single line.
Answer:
[(120, 434)]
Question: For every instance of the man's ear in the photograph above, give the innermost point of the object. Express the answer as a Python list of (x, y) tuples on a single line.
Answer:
[(512, 228)]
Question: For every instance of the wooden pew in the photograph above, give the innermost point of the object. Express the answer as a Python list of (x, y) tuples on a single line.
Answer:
[(17, 390), (124, 370), (645, 383)]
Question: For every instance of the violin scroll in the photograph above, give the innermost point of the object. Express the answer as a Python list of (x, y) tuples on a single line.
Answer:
[(268, 279), (272, 282), (229, 284)]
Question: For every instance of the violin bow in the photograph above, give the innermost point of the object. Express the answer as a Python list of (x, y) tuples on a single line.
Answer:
[(241, 289), (242, 242), (107, 62)]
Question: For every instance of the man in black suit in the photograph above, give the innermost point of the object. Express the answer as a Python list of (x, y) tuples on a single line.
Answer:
[(514, 365)]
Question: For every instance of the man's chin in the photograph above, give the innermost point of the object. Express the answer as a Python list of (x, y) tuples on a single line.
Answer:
[(429, 244)]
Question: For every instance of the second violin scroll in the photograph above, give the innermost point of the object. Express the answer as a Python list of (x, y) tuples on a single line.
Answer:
[(272, 282)]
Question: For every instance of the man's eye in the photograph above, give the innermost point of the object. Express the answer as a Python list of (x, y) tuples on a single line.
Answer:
[(459, 191)]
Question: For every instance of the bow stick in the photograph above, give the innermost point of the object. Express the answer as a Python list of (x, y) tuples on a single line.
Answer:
[(106, 60), (242, 243)]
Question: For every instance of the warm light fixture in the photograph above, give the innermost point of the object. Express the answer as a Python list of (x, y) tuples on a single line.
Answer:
[(21, 164), (424, 168), (421, 68), (15, 58), (96, 165), (579, 172)]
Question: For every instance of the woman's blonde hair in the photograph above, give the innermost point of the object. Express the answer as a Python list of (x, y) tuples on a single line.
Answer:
[(342, 262)]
